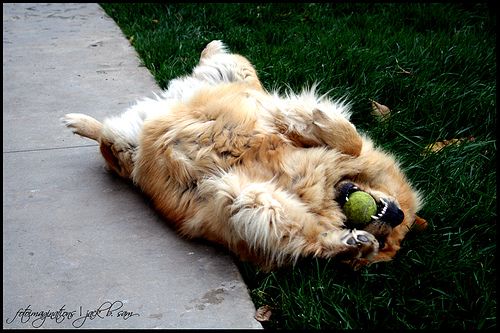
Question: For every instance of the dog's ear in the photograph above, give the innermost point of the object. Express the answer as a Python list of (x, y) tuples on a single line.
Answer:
[(420, 224)]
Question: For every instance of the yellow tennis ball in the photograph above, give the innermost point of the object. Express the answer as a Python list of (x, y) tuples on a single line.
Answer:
[(360, 207)]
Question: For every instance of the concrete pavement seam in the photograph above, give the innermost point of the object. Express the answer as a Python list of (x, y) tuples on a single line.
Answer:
[(45, 149)]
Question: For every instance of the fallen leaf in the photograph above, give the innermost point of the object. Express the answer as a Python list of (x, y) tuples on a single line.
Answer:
[(379, 110), (263, 313), (439, 145)]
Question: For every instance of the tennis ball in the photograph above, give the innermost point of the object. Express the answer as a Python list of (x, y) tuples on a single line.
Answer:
[(360, 207)]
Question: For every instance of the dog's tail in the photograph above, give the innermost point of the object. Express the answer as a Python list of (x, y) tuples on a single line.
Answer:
[(83, 125)]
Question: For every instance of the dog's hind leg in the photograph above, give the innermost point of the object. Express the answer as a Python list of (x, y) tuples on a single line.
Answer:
[(218, 65), (214, 47)]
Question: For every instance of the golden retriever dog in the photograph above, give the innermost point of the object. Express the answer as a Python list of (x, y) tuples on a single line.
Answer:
[(263, 174)]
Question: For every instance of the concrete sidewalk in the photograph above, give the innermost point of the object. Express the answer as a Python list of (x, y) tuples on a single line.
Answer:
[(77, 240)]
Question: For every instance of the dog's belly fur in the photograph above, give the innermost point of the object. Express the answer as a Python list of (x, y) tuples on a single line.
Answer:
[(256, 172), (221, 144)]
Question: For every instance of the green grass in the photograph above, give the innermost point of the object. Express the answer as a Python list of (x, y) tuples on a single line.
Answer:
[(444, 277)]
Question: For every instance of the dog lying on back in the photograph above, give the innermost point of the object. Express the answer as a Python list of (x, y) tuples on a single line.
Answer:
[(262, 174)]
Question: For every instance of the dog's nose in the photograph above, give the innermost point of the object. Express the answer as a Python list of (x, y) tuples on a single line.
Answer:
[(399, 218), (394, 216)]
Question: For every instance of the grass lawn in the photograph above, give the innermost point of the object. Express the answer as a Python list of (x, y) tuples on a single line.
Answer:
[(434, 66)]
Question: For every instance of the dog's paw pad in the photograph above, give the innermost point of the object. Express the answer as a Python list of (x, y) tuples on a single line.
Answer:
[(358, 239), (362, 240)]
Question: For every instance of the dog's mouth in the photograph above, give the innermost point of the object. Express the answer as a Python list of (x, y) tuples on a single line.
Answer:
[(387, 211)]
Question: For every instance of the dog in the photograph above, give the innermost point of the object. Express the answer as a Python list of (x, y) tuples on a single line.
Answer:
[(262, 173)]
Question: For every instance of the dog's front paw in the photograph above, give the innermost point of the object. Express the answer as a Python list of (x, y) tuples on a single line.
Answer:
[(351, 244), (337, 132)]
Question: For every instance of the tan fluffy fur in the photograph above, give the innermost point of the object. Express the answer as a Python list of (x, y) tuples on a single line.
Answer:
[(259, 173)]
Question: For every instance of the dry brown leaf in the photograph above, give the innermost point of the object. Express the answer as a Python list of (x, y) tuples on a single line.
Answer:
[(380, 111), (263, 313), (437, 146)]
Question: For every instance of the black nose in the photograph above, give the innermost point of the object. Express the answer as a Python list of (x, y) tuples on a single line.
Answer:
[(394, 216)]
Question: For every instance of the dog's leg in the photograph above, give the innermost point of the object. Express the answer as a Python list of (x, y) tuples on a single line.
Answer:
[(214, 47), (310, 121), (336, 132), (217, 65), (273, 225)]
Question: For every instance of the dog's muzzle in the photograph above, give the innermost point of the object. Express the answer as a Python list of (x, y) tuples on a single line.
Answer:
[(387, 211)]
